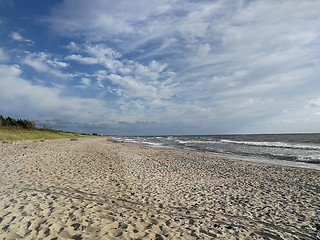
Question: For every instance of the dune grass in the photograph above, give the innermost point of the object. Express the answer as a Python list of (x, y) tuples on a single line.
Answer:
[(9, 134)]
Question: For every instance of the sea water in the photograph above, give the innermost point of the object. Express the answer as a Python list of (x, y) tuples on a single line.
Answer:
[(301, 150)]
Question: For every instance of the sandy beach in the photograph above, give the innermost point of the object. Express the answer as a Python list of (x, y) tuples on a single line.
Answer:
[(98, 189)]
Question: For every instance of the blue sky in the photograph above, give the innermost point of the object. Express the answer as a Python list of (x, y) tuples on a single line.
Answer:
[(162, 67)]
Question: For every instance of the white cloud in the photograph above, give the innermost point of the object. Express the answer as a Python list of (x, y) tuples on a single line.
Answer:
[(72, 46), (135, 24), (100, 51), (44, 103), (130, 79), (225, 65), (58, 64), (82, 59), (314, 102), (113, 16), (133, 87), (50, 60), (152, 71), (46, 63), (85, 82), (98, 54), (35, 101), (3, 55), (18, 37)]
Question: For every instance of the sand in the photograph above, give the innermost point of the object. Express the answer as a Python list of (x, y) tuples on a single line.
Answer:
[(98, 189)]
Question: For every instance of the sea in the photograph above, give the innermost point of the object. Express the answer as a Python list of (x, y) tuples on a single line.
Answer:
[(298, 150)]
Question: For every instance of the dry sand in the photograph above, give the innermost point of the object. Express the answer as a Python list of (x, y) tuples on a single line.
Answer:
[(97, 189)]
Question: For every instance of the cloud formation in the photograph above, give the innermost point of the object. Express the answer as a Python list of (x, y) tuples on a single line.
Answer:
[(178, 67), (18, 37), (46, 101), (45, 63), (126, 78)]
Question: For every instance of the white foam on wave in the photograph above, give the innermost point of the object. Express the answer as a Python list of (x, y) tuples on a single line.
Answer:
[(306, 160), (139, 140), (281, 162), (274, 144), (195, 141)]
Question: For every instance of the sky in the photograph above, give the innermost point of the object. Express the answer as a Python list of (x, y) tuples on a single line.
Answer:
[(164, 67)]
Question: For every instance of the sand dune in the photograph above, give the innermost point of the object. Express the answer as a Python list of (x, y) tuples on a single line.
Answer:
[(98, 189)]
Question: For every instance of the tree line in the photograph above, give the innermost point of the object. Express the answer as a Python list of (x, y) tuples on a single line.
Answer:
[(18, 123)]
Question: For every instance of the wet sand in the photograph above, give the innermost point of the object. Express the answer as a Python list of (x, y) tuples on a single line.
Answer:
[(97, 189)]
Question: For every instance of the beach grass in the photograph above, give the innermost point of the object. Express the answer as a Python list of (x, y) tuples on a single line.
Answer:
[(9, 134)]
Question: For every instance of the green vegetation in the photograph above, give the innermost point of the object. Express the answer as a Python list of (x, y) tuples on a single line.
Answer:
[(18, 129), (8, 134), (19, 123)]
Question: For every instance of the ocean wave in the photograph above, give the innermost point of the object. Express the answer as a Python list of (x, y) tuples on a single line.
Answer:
[(269, 150), (137, 140), (274, 144), (309, 159), (196, 141)]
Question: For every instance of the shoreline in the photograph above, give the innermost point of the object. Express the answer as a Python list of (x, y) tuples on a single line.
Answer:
[(96, 188), (284, 163)]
